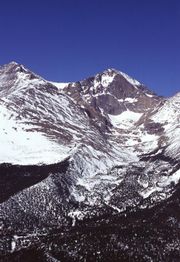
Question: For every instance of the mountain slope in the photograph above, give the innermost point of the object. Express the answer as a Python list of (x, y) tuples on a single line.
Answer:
[(78, 151)]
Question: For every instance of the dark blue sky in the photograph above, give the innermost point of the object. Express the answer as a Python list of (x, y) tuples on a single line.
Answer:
[(68, 40)]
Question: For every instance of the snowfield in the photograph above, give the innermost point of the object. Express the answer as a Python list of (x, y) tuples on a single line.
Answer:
[(22, 147)]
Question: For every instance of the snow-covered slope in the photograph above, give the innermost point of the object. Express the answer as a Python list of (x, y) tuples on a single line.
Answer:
[(120, 139), (26, 148), (169, 116), (38, 124)]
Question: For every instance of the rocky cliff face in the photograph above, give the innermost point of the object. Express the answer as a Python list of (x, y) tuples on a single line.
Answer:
[(81, 154)]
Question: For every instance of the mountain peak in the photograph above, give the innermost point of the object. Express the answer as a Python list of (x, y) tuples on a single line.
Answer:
[(17, 70), (112, 72), (14, 67), (13, 63)]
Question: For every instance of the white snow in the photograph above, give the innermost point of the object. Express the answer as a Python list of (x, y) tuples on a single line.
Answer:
[(173, 134), (169, 112), (169, 116), (125, 119), (21, 147), (96, 83), (93, 166), (130, 99), (149, 141), (13, 245), (60, 86), (107, 79), (149, 95)]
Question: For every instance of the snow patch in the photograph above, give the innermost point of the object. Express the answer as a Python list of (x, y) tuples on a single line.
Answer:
[(125, 119), (60, 86), (149, 95), (107, 79), (130, 99)]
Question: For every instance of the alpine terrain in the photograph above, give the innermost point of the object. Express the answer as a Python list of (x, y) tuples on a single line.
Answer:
[(89, 171)]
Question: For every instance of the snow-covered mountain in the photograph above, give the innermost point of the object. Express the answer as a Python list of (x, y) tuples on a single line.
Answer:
[(75, 152)]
